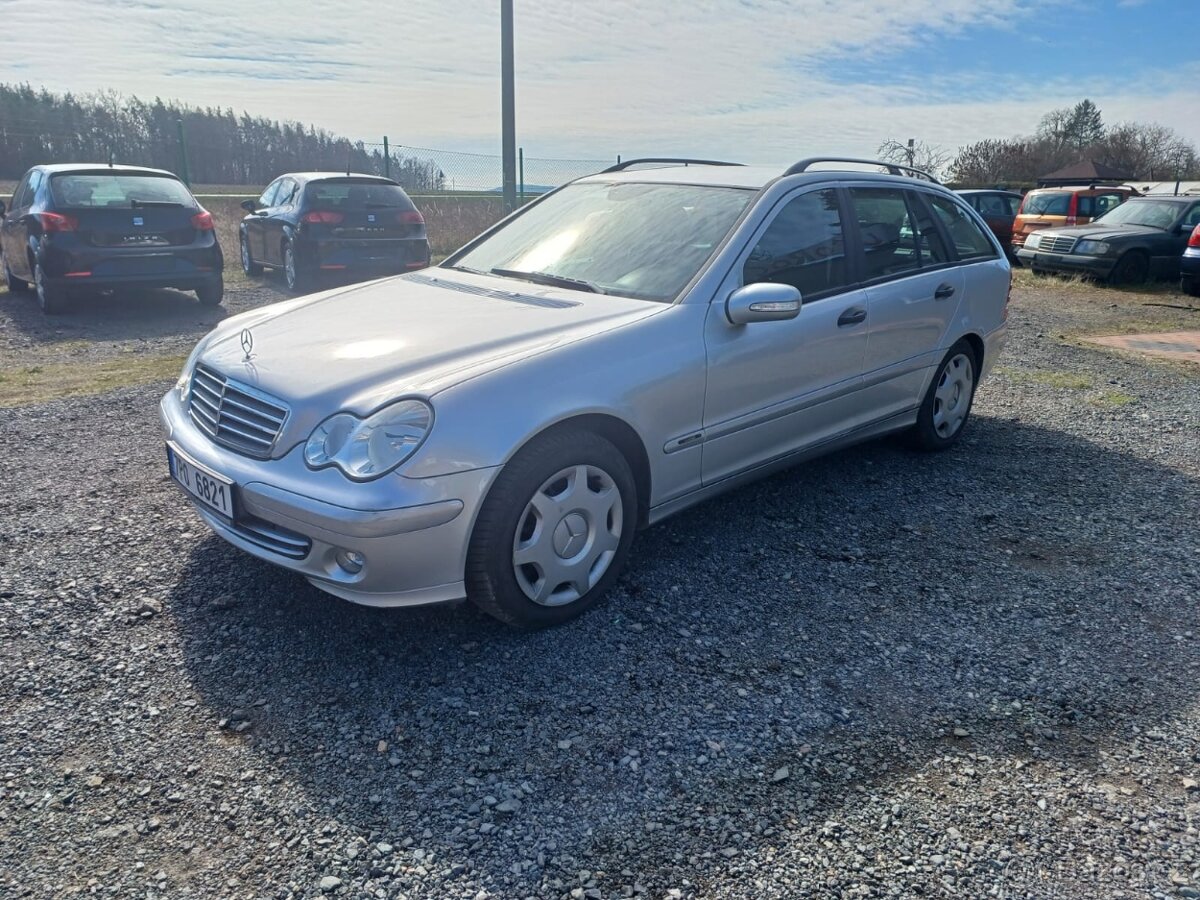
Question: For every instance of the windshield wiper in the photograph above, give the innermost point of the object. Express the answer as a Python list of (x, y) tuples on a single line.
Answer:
[(464, 269), (547, 278), (134, 203)]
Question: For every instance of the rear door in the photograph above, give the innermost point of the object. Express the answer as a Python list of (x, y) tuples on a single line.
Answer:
[(913, 287), (776, 387), (14, 232)]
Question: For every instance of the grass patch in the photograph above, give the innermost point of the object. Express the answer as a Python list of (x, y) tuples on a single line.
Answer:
[(1113, 399), (30, 385)]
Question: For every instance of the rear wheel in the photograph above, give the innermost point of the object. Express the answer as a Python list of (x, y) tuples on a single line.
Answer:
[(554, 532), (1190, 286), (1132, 268), (296, 278), (212, 293), (249, 266), (947, 404), (14, 283), (51, 298)]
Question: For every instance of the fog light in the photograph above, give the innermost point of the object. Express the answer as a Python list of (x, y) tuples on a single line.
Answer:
[(350, 561)]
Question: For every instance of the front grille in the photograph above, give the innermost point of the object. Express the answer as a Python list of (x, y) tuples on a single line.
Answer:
[(233, 414), (1054, 243), (269, 536)]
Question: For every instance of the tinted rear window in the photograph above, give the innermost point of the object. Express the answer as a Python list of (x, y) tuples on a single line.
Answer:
[(117, 191), (345, 195), (1047, 203)]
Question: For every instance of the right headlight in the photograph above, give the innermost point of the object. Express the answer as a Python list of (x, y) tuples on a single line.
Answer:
[(185, 377), (365, 449), (1033, 241)]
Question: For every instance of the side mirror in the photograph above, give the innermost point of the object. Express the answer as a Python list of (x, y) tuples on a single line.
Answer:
[(762, 302), (249, 206)]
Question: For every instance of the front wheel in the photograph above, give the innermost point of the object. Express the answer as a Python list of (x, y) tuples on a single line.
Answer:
[(51, 298), (249, 266), (554, 532), (1132, 268), (947, 404)]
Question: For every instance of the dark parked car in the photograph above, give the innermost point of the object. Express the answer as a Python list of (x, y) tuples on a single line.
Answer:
[(306, 223), (998, 209), (1143, 237), (74, 227), (1189, 265)]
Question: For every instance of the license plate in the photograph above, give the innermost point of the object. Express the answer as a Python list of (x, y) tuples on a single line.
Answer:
[(208, 488)]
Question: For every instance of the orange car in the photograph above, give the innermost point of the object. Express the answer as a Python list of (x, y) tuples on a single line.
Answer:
[(1054, 206)]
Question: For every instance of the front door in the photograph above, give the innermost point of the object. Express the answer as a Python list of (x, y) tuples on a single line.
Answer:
[(14, 230), (776, 387), (255, 224)]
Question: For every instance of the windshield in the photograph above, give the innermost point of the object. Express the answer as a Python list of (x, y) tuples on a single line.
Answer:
[(1154, 213), (118, 191), (1047, 203), (636, 240), (356, 195)]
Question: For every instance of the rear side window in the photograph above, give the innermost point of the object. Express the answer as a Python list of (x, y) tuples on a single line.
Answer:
[(804, 246), (933, 246), (1047, 203), (350, 195), (1095, 206), (117, 191), (970, 240), (285, 194), (35, 182), (887, 232), (992, 205)]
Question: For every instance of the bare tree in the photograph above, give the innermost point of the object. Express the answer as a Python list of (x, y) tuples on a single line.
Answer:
[(918, 154)]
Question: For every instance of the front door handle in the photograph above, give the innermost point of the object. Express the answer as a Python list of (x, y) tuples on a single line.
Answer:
[(943, 291), (855, 315)]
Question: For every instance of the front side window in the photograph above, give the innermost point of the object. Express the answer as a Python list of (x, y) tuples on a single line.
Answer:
[(803, 246), (22, 191), (968, 237), (266, 201), (887, 232), (117, 191), (633, 239)]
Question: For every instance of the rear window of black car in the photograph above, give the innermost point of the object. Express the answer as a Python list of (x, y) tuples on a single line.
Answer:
[(117, 191), (343, 195)]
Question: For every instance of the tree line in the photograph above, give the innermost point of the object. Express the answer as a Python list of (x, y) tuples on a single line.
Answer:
[(1145, 151), (37, 126)]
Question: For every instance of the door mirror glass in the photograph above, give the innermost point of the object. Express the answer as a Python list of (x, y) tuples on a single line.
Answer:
[(763, 301), (249, 206)]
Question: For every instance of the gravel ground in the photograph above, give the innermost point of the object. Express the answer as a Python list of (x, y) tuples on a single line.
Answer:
[(882, 674)]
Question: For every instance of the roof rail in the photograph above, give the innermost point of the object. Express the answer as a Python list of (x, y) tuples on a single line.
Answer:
[(622, 166), (893, 168)]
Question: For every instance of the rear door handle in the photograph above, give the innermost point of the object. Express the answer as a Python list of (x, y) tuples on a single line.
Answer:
[(943, 291), (855, 315)]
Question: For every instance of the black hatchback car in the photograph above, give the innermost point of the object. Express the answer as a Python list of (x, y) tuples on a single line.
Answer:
[(74, 227), (308, 223), (1144, 237)]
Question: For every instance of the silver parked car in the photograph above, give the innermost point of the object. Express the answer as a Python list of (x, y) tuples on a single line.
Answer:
[(499, 426)]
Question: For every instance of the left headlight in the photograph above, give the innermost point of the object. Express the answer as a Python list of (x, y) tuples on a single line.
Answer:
[(1091, 248), (364, 449)]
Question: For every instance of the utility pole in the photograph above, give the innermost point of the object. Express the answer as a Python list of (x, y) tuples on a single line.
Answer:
[(911, 152), (508, 103)]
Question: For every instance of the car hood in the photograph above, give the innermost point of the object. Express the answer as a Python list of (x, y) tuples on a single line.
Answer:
[(358, 348), (1097, 231)]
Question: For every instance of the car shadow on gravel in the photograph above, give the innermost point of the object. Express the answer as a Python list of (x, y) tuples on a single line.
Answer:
[(770, 659)]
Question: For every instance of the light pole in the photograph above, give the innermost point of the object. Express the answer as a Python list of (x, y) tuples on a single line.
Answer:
[(508, 120)]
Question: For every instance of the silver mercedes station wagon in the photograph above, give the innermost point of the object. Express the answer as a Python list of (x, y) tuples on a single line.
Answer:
[(498, 426)]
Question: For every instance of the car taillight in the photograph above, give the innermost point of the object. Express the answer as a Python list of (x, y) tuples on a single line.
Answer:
[(410, 217), (1073, 210), (322, 217), (202, 221), (1194, 240), (53, 223)]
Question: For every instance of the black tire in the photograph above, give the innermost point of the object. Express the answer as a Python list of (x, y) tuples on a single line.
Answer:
[(930, 433), (295, 276), (14, 283), (491, 572), (1132, 268), (211, 293), (53, 299), (249, 266), (1190, 286)]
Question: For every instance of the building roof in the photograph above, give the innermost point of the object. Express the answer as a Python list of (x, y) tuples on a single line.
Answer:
[(1084, 171)]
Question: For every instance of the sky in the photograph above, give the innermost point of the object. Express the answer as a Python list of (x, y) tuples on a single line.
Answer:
[(763, 81)]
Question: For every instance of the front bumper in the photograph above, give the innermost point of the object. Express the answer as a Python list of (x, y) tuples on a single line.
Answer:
[(1071, 263), (412, 533)]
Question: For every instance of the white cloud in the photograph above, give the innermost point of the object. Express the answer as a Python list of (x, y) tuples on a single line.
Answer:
[(738, 78)]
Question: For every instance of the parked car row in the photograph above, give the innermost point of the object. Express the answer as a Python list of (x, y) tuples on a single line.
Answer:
[(1106, 232), (71, 230)]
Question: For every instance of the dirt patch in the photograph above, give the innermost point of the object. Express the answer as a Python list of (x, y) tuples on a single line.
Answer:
[(1182, 345)]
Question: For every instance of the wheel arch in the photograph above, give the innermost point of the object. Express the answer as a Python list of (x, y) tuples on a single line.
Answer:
[(977, 348)]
